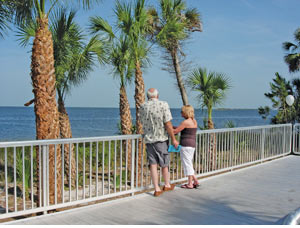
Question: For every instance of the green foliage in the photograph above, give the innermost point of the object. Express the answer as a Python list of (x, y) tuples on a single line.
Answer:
[(212, 87), (133, 129), (280, 89), (292, 58), (230, 124), (264, 111)]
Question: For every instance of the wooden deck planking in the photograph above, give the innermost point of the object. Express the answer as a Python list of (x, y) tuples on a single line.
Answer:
[(261, 194)]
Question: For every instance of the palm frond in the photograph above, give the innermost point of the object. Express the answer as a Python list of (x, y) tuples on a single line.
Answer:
[(98, 24), (26, 32)]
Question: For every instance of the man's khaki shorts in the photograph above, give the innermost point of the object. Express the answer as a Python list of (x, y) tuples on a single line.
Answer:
[(157, 153)]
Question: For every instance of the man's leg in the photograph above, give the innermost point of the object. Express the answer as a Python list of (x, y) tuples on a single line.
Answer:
[(154, 177), (166, 176)]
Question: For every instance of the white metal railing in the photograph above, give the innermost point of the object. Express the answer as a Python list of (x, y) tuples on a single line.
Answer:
[(91, 169), (296, 139)]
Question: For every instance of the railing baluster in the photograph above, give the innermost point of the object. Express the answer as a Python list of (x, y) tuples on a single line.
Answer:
[(97, 153), (77, 173), (15, 180), (109, 157), (63, 173), (126, 165), (115, 167), (83, 174), (70, 173), (55, 174), (121, 165), (91, 165), (103, 166), (31, 174), (6, 184), (23, 163)]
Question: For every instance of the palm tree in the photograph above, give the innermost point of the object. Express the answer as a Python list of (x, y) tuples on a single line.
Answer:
[(133, 21), (6, 8), (173, 26), (121, 59), (123, 64), (73, 62), (293, 57), (43, 80), (212, 87)]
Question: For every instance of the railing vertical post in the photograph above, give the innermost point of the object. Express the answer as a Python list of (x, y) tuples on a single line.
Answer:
[(45, 166), (231, 146), (132, 164), (263, 135), (293, 139), (284, 147)]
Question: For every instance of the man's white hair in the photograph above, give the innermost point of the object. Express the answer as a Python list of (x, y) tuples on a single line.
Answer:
[(152, 94)]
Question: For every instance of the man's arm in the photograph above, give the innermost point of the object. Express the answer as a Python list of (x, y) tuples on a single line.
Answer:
[(169, 128)]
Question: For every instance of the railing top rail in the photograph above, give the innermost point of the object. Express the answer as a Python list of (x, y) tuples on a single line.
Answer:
[(242, 128), (122, 137), (69, 140)]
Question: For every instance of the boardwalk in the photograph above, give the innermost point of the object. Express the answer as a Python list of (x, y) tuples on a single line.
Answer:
[(262, 194)]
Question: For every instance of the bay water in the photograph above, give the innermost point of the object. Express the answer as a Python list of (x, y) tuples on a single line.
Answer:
[(18, 123)]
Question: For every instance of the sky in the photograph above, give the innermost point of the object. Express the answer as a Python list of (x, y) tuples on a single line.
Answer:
[(241, 38)]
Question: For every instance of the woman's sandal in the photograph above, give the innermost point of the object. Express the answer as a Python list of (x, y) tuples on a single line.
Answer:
[(186, 186), (196, 185)]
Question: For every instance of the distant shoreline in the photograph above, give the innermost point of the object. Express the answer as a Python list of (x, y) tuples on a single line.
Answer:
[(221, 109)]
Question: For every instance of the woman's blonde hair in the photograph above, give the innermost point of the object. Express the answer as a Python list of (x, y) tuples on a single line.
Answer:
[(188, 111)]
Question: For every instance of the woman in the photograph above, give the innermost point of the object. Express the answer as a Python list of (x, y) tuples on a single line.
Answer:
[(188, 129)]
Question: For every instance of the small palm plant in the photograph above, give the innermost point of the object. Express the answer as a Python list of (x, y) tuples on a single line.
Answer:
[(212, 87)]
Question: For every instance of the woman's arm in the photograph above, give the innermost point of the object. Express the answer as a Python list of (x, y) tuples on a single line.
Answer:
[(180, 127)]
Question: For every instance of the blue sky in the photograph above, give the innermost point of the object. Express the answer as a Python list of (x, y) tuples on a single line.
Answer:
[(241, 38)]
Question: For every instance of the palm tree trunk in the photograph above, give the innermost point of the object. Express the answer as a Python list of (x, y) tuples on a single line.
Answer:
[(212, 148), (139, 100), (45, 108), (126, 122), (179, 76), (66, 132)]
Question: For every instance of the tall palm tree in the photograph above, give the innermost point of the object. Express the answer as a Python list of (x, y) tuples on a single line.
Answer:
[(121, 59), (212, 87), (43, 80), (170, 29), (133, 21), (292, 58), (73, 61), (123, 64)]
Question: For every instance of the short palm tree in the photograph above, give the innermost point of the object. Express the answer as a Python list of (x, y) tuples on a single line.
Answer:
[(44, 79), (292, 58), (170, 28), (212, 87)]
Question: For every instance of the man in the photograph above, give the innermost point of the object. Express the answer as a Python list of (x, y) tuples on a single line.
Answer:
[(156, 119)]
